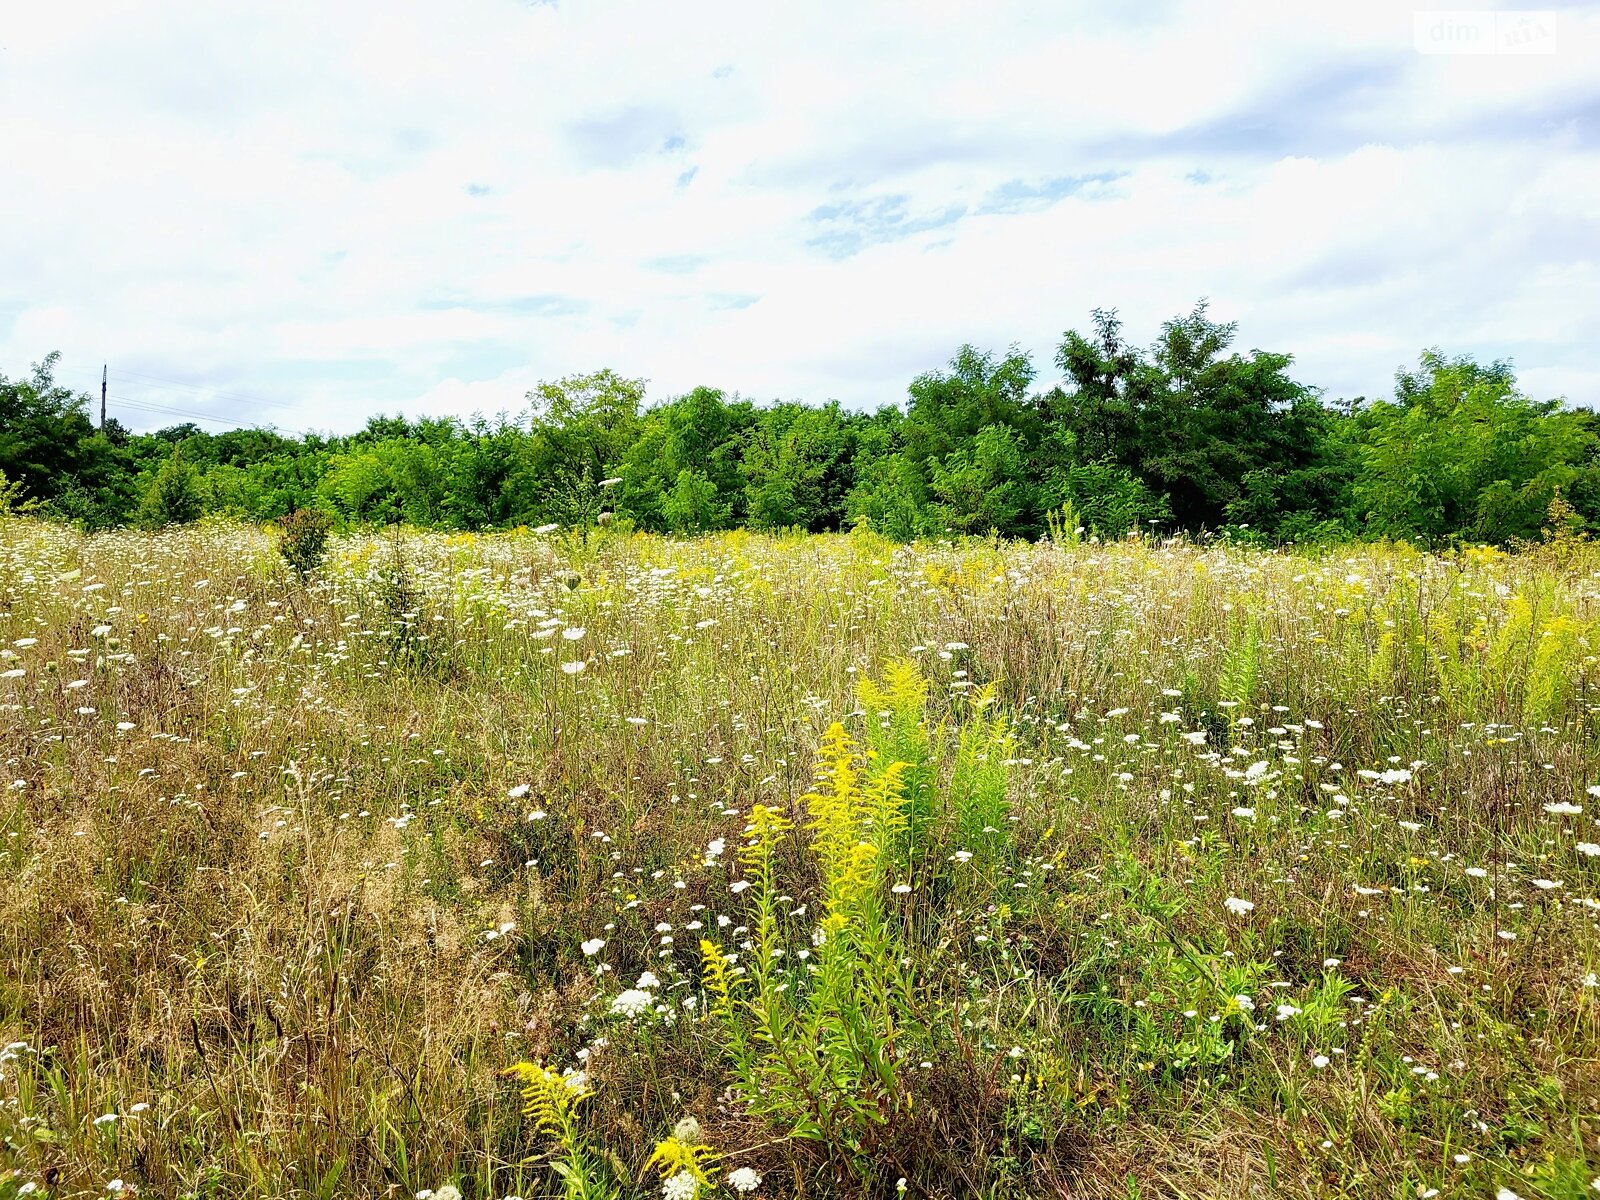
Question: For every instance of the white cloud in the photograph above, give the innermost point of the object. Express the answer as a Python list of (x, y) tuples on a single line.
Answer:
[(354, 207)]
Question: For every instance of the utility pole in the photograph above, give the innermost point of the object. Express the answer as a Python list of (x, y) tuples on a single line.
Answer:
[(102, 396)]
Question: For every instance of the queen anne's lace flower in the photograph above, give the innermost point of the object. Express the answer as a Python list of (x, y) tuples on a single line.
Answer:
[(632, 1002)]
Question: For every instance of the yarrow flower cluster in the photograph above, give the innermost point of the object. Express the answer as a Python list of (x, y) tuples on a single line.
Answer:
[(632, 1002), (744, 1179)]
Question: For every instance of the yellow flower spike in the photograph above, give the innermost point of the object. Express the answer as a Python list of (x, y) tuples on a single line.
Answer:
[(719, 981), (549, 1099), (767, 825), (675, 1156)]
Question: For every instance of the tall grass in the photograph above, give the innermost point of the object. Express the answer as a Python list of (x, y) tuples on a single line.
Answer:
[(1065, 869)]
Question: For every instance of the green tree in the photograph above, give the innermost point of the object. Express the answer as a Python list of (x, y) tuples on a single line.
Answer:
[(1104, 498), (702, 433), (1460, 451), (53, 453), (796, 464), (389, 481), (172, 495), (970, 424), (984, 487), (1191, 421), (580, 430), (692, 505), (949, 408)]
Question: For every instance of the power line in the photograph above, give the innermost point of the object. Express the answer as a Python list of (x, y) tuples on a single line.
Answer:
[(170, 411), (167, 384), (176, 417)]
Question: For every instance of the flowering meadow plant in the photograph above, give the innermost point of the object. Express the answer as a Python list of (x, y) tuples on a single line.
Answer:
[(469, 865)]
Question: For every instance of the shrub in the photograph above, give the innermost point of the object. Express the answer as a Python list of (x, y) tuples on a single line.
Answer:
[(173, 495), (305, 539)]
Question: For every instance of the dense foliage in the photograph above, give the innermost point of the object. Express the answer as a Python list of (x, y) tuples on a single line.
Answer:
[(1187, 434)]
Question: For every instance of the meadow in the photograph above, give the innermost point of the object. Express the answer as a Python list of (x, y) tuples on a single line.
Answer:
[(602, 864)]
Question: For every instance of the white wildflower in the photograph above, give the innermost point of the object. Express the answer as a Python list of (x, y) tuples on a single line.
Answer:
[(632, 1002)]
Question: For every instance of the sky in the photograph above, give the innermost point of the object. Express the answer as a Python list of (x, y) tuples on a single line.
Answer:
[(303, 214)]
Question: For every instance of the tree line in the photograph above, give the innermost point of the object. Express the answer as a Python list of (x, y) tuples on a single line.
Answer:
[(1186, 434)]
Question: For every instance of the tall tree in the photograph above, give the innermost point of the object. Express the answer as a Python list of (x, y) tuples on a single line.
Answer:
[(1187, 419), (44, 428), (1461, 451)]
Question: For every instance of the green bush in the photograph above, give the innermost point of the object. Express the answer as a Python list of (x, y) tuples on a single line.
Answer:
[(172, 496), (305, 539)]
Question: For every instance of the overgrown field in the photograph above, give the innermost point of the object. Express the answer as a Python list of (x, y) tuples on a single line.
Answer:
[(608, 865)]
